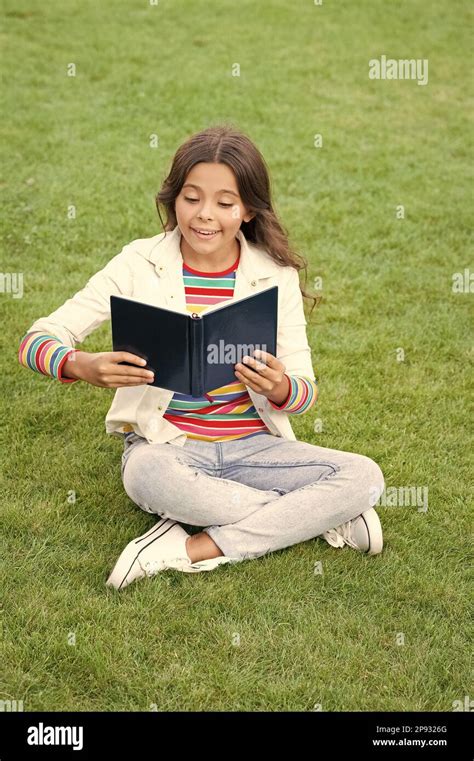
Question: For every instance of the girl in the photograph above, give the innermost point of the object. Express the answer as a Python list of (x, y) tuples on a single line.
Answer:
[(228, 463)]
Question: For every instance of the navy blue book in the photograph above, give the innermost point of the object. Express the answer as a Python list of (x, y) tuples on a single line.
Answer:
[(195, 353)]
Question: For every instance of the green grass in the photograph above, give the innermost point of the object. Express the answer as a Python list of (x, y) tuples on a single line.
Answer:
[(305, 639)]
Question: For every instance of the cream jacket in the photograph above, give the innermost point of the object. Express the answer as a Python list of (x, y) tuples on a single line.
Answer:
[(150, 270)]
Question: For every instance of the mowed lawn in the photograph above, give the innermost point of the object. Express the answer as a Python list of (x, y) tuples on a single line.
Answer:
[(308, 627)]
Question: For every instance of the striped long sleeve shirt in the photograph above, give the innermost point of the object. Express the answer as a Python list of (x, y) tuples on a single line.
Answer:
[(44, 354)]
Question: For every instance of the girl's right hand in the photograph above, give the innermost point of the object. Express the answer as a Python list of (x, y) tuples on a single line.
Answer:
[(103, 369)]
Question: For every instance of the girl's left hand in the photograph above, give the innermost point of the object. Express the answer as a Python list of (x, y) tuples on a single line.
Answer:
[(266, 377)]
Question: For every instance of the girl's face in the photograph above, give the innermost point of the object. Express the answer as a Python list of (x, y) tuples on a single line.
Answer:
[(209, 200)]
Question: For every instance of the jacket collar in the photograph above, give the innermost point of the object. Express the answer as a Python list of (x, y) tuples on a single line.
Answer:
[(254, 262)]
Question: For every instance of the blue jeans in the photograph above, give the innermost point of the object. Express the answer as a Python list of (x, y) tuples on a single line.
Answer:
[(252, 496)]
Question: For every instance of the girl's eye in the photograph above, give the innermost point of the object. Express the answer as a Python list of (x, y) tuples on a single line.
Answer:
[(195, 200)]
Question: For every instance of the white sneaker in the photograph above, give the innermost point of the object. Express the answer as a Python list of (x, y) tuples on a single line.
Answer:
[(363, 533), (160, 548)]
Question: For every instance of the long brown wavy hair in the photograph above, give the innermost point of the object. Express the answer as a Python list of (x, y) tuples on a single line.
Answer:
[(223, 144)]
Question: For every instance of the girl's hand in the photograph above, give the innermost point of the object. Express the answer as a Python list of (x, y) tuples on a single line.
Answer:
[(266, 377), (103, 369)]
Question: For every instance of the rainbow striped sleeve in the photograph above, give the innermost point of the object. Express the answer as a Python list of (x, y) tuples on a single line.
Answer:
[(301, 395), (45, 354)]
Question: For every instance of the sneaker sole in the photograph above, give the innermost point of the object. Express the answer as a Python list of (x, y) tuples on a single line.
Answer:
[(202, 565), (374, 530)]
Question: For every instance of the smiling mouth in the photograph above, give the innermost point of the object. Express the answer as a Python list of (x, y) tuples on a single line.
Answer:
[(205, 235)]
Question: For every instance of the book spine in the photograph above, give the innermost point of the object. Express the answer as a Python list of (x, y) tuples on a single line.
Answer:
[(197, 355)]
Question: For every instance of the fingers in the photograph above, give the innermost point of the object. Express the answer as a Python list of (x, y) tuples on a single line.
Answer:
[(124, 375), (126, 356), (111, 366), (126, 380), (263, 361), (251, 378), (261, 372), (255, 368), (256, 382), (124, 370), (267, 358)]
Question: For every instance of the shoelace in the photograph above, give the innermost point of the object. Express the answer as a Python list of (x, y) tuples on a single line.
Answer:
[(342, 532), (152, 566)]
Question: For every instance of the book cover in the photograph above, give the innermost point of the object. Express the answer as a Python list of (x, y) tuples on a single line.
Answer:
[(195, 353)]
